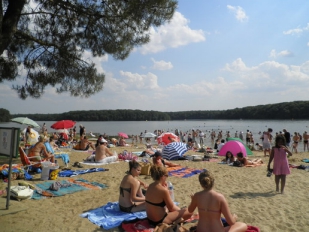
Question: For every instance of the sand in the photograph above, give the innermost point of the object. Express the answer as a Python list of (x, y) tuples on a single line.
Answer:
[(250, 194)]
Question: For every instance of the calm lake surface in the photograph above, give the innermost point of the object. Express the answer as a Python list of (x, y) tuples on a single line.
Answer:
[(136, 127)]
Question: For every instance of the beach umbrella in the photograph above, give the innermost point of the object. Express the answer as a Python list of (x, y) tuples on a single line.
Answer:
[(249, 152), (233, 146), (174, 150), (164, 138), (149, 135), (25, 121), (123, 135), (63, 124)]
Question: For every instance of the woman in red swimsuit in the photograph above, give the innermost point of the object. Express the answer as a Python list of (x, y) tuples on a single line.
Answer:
[(210, 206)]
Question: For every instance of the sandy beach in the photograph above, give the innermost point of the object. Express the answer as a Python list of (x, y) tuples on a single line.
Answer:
[(250, 194)]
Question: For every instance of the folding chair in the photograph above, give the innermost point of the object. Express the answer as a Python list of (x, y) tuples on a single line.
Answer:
[(26, 161)]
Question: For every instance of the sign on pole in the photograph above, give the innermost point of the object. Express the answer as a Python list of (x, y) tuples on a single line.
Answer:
[(9, 142)]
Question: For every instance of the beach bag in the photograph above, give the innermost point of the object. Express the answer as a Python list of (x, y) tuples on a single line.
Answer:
[(21, 192), (236, 163), (145, 170)]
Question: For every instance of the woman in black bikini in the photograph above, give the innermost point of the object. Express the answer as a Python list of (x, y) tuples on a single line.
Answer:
[(131, 198), (210, 206), (160, 207)]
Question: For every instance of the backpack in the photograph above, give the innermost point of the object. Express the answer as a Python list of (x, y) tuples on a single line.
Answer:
[(236, 163)]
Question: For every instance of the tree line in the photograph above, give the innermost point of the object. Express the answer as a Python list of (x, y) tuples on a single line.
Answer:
[(280, 111)]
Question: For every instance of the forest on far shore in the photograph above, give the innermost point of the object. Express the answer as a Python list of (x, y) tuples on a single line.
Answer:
[(280, 111)]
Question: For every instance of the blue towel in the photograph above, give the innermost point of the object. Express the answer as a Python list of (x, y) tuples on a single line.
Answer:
[(109, 216), (69, 173), (65, 158), (49, 147)]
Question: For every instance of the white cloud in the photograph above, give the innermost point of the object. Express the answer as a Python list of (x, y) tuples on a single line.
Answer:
[(239, 12), (161, 65), (140, 81), (284, 53), (172, 35), (296, 31), (270, 74)]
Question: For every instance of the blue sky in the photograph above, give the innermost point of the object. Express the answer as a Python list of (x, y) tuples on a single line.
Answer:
[(213, 55)]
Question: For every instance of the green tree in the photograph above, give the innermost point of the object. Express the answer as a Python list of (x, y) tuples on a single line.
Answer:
[(48, 39), (5, 115)]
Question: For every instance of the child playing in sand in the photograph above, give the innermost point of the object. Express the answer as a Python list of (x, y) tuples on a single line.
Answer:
[(211, 205), (281, 163)]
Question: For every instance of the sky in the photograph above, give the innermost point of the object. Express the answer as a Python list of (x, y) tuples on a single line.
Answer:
[(213, 55)]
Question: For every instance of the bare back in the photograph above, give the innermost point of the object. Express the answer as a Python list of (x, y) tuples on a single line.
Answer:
[(102, 152), (210, 206)]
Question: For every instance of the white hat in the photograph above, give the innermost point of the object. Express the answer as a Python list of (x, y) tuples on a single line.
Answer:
[(103, 140)]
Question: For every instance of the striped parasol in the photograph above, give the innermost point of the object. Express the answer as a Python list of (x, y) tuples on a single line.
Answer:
[(174, 150)]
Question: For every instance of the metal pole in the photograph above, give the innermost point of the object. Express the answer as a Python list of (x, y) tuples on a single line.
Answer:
[(10, 169)]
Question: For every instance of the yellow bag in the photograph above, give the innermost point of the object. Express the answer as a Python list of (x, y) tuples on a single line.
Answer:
[(145, 168)]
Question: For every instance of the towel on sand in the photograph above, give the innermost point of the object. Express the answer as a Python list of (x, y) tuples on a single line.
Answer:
[(69, 173), (65, 158), (109, 216), (183, 172)]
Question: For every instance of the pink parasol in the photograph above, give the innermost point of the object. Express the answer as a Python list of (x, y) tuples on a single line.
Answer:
[(123, 135), (233, 146), (164, 138)]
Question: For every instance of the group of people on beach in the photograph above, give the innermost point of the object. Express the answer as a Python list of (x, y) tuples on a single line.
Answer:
[(160, 207)]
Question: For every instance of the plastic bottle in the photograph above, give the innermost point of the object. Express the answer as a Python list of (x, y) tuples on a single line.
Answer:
[(171, 190)]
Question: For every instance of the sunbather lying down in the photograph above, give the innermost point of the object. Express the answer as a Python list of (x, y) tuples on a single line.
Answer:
[(244, 161)]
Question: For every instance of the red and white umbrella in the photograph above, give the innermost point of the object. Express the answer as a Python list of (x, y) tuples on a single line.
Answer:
[(166, 138)]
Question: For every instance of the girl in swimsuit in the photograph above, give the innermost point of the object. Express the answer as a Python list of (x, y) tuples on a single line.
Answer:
[(160, 207), (131, 198), (210, 206)]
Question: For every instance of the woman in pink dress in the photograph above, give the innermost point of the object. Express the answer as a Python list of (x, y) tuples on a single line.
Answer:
[(281, 163)]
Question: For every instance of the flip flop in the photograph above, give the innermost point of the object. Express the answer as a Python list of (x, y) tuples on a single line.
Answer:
[(75, 164), (79, 165)]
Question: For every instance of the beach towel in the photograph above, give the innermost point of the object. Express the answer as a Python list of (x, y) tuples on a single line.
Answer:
[(43, 190), (65, 158), (109, 216), (137, 226), (183, 172), (70, 173), (306, 160), (97, 164)]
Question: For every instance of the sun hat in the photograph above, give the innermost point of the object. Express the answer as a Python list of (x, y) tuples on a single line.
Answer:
[(102, 140)]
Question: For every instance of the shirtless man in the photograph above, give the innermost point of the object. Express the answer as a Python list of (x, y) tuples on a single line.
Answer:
[(39, 148), (85, 144), (101, 153)]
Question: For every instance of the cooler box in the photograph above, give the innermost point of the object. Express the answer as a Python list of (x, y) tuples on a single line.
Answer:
[(47, 169)]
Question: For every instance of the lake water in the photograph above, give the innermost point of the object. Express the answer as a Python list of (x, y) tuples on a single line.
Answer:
[(136, 127)]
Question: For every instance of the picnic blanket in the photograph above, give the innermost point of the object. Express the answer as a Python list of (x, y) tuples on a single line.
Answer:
[(70, 173), (109, 216), (42, 189), (183, 172)]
